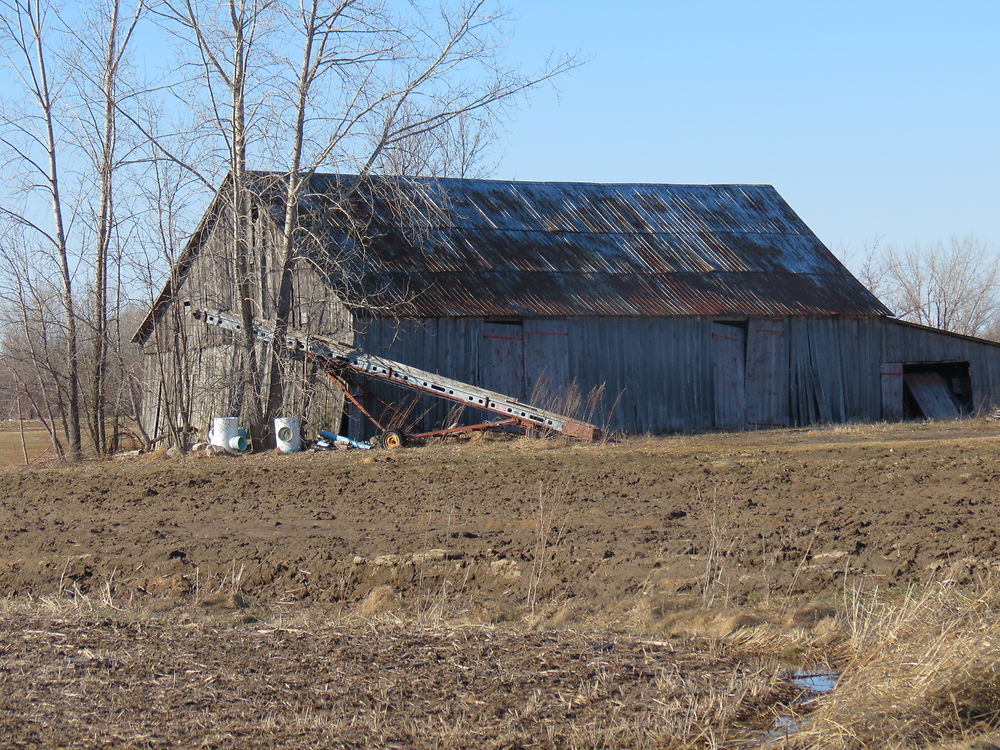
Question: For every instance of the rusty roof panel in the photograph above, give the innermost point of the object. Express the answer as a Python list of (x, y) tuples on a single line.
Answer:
[(519, 294), (495, 248)]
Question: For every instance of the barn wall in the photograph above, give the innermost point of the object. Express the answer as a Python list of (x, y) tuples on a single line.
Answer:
[(656, 373), (447, 346), (662, 375), (633, 374), (903, 343)]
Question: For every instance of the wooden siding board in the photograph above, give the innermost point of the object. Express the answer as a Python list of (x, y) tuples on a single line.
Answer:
[(891, 381), (827, 368), (655, 374), (592, 366), (802, 396), (502, 360), (852, 361), (817, 393), (862, 360)]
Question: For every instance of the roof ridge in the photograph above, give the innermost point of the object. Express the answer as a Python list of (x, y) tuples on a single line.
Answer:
[(515, 181)]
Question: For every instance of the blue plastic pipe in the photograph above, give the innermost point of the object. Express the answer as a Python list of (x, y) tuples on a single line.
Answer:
[(342, 439)]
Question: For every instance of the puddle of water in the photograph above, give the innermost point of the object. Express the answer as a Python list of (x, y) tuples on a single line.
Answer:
[(784, 727), (815, 684)]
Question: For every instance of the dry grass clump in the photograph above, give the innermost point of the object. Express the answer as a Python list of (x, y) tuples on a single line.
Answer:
[(924, 668), (380, 600)]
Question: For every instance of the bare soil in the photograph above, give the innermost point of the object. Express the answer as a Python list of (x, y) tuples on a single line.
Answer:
[(509, 525)]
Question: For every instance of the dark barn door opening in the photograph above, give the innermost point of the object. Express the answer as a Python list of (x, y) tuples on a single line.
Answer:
[(937, 390), (926, 390)]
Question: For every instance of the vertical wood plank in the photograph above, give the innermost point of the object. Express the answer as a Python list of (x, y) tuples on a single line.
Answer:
[(502, 360), (546, 360)]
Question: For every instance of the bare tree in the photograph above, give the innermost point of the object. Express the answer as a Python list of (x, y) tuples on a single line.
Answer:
[(102, 53), (955, 287), (229, 41), (33, 341), (370, 83), (26, 27)]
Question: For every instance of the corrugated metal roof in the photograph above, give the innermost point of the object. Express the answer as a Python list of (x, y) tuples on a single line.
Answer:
[(494, 248)]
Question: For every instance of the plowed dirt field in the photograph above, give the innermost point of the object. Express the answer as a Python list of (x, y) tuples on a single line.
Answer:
[(501, 527)]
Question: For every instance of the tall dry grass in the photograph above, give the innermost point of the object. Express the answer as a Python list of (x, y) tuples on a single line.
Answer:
[(593, 406), (923, 667)]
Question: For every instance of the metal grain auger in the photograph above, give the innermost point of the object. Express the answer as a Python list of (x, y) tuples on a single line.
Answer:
[(341, 362)]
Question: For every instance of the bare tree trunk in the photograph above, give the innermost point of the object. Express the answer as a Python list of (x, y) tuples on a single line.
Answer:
[(106, 53), (20, 429), (293, 187), (46, 103), (104, 234), (249, 382)]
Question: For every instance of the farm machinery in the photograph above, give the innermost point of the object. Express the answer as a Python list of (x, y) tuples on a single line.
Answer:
[(348, 367)]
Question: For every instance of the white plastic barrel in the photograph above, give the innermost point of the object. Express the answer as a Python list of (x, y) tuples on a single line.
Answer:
[(287, 433), (225, 433)]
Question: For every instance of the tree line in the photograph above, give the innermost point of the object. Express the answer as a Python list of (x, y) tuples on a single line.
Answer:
[(952, 285)]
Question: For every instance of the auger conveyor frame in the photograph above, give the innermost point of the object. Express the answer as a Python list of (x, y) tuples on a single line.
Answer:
[(339, 356)]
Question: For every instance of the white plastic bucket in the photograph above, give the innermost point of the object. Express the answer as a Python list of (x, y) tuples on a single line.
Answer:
[(288, 434), (226, 433)]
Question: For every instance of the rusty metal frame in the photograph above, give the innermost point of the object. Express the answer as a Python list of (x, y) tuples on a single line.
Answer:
[(350, 396), (449, 431)]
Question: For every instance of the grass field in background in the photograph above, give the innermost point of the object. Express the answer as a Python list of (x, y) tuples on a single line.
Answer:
[(36, 440)]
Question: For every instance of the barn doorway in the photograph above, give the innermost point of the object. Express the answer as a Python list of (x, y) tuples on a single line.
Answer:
[(926, 390), (526, 359), (729, 356), (750, 374)]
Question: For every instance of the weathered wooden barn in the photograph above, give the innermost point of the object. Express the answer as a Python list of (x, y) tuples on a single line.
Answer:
[(689, 307)]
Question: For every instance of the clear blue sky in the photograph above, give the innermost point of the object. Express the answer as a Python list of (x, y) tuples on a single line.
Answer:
[(871, 118)]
